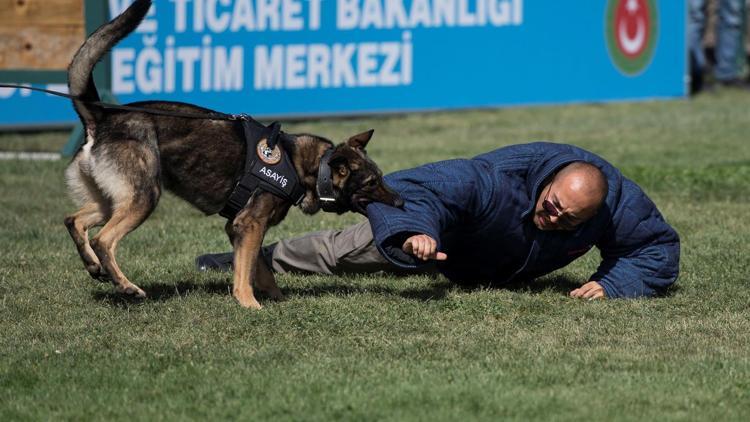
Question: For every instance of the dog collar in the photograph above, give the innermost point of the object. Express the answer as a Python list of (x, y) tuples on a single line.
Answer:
[(267, 167), (324, 185)]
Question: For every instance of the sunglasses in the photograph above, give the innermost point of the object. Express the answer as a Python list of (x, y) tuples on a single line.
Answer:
[(549, 206), (553, 211)]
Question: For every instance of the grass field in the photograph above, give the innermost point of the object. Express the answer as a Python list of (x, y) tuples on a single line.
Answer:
[(374, 347)]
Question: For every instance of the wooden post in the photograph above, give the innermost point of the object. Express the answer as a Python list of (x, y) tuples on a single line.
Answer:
[(38, 38)]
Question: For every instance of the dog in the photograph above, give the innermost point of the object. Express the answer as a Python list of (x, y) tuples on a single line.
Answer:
[(129, 156)]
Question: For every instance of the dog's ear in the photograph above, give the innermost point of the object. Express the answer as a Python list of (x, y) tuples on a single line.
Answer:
[(339, 164), (360, 141)]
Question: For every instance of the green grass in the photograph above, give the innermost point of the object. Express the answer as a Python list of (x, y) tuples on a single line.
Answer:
[(374, 347)]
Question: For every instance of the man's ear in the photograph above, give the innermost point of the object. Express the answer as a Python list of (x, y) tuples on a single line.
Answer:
[(360, 141), (339, 164)]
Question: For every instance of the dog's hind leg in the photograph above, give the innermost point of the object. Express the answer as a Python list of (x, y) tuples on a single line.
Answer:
[(78, 224), (125, 218), (94, 211), (128, 174)]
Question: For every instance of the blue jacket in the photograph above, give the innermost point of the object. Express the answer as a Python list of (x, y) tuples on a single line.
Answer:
[(480, 213)]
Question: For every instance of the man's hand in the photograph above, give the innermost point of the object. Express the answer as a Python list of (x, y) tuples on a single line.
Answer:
[(423, 247), (591, 290)]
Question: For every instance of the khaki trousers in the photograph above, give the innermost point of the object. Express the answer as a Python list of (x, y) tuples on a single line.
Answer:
[(350, 250)]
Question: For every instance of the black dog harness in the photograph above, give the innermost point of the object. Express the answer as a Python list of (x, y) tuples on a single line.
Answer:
[(267, 167)]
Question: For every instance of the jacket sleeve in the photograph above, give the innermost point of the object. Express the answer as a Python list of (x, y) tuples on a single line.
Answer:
[(430, 207), (640, 251)]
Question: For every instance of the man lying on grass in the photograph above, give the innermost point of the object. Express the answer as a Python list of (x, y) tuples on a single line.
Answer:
[(513, 214)]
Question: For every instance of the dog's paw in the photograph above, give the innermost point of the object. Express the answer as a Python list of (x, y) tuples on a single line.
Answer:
[(132, 290), (270, 289), (249, 303), (98, 273), (277, 296), (273, 293)]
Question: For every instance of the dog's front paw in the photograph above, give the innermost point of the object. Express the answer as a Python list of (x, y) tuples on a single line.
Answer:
[(247, 301), (251, 304), (267, 284), (272, 291)]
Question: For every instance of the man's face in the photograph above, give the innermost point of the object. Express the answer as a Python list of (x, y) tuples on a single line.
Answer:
[(568, 204)]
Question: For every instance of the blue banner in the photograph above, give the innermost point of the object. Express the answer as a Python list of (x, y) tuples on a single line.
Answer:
[(330, 57)]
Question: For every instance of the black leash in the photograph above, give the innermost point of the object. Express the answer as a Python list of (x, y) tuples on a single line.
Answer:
[(110, 106)]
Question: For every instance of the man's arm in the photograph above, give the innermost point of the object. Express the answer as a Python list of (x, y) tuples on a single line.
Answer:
[(640, 251)]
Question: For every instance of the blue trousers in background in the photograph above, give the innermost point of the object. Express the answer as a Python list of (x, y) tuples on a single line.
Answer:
[(729, 47)]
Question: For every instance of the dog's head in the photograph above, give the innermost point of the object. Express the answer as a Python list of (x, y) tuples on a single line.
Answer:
[(356, 180)]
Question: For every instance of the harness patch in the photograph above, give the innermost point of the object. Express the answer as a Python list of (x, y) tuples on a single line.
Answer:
[(266, 154)]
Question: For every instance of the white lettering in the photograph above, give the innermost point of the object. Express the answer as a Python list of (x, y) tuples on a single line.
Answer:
[(420, 13), (372, 15), (343, 73), (122, 70), (319, 64), (206, 62), (217, 24), (367, 64), (388, 75), (268, 14), (169, 66), (444, 12), (295, 65), (276, 177), (291, 15), (314, 14), (395, 15), (465, 17), (347, 14), (243, 16), (228, 71), (268, 67), (148, 70), (180, 15), (198, 13), (364, 14), (187, 56)]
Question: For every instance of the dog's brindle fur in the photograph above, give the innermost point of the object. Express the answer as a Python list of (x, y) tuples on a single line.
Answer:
[(118, 175)]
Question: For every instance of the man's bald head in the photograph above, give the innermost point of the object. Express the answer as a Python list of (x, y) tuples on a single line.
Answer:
[(575, 194), (585, 179)]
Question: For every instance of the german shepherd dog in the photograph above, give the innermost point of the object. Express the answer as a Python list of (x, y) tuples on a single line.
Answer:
[(117, 176)]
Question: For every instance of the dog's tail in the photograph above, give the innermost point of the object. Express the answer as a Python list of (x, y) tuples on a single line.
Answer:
[(80, 78)]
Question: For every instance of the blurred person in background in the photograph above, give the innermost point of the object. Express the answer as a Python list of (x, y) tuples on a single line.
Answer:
[(729, 44)]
